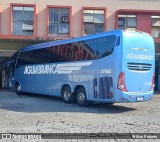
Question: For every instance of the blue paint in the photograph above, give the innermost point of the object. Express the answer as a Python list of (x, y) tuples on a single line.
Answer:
[(133, 54)]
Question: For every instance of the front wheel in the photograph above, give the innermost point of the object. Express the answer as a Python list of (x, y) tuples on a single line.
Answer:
[(81, 97), (18, 89)]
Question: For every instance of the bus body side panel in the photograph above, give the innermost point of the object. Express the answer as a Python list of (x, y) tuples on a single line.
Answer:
[(98, 82), (101, 80), (46, 84), (97, 76)]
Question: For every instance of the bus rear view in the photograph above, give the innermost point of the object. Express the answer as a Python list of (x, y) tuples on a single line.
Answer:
[(136, 75)]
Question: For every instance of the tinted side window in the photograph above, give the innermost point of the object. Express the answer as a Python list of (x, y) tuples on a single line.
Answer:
[(90, 49), (105, 46), (27, 58), (14, 59), (77, 51), (36, 57)]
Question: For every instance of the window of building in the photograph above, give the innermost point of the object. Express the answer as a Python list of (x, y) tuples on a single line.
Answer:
[(93, 21), (155, 26), (59, 21), (23, 20), (128, 22)]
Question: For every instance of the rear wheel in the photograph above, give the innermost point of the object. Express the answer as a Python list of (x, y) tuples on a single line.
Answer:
[(81, 97), (67, 94), (18, 89)]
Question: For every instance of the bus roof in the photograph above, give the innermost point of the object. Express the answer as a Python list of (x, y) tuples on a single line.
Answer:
[(54, 43)]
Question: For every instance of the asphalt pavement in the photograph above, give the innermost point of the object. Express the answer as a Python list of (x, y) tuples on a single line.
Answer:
[(43, 114)]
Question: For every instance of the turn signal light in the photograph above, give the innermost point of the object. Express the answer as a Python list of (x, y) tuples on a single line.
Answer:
[(121, 82)]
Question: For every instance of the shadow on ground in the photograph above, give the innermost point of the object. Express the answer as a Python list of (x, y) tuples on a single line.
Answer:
[(32, 103)]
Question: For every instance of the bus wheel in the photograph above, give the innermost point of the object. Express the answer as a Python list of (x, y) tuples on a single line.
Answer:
[(67, 94), (81, 97), (18, 89)]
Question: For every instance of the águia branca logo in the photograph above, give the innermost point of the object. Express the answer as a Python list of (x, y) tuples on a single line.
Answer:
[(54, 68), (140, 56)]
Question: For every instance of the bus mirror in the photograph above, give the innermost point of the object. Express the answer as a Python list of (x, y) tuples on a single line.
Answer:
[(8, 68)]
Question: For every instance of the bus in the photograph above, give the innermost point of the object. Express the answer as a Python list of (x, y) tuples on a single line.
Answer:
[(111, 67)]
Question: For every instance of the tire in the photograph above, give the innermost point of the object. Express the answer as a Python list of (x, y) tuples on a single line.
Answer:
[(81, 97), (18, 89), (67, 95)]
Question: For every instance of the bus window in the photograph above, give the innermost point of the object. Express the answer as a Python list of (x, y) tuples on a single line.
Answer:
[(105, 46)]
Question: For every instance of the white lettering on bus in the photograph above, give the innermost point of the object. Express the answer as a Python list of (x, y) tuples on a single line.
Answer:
[(54, 68), (106, 71), (140, 56), (40, 69)]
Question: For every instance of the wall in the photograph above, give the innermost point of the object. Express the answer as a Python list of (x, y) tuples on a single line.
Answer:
[(112, 6)]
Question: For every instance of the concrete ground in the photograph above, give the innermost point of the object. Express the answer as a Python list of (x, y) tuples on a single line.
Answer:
[(42, 114)]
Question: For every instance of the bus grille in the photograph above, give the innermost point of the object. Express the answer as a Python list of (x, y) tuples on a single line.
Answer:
[(139, 66)]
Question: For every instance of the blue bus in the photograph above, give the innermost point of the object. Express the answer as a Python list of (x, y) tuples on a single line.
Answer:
[(115, 66)]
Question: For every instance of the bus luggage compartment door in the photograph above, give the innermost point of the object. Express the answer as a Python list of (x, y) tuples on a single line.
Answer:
[(103, 87)]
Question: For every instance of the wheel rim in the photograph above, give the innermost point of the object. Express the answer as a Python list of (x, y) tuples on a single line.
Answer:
[(81, 97), (67, 95)]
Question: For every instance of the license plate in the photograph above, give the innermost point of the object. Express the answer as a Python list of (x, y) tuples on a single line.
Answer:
[(139, 98)]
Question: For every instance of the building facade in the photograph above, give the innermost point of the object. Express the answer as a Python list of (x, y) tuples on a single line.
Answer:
[(28, 22)]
